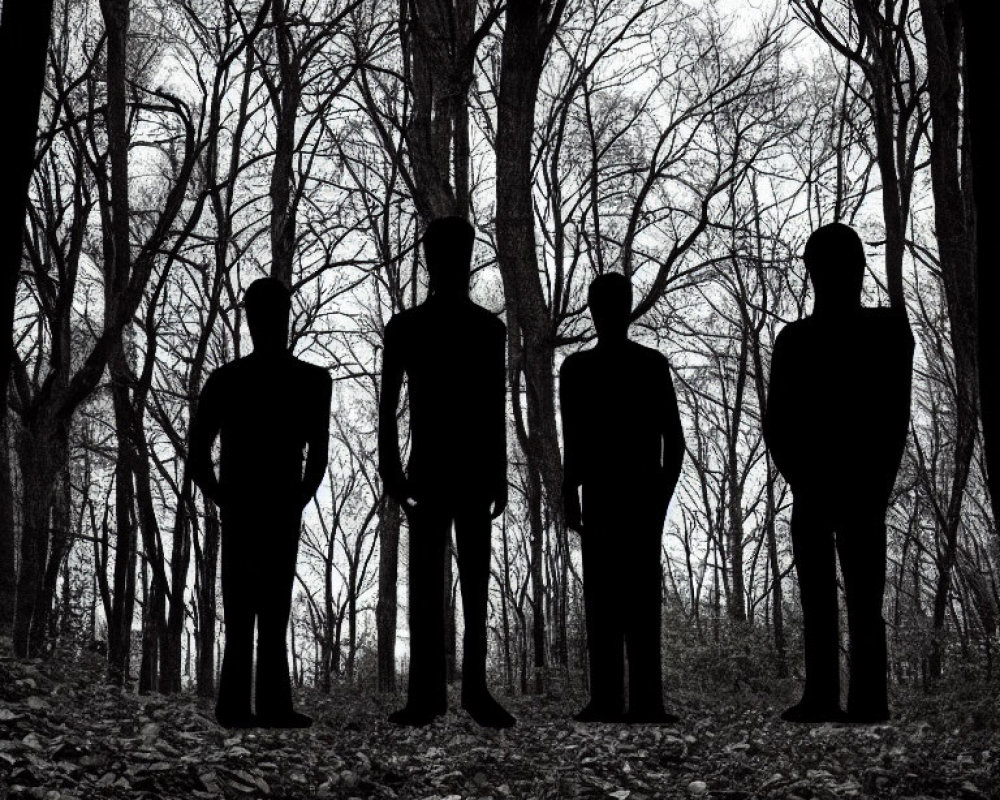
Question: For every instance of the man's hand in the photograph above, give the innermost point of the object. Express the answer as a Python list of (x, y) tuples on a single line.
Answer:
[(304, 497), (571, 508), (499, 499)]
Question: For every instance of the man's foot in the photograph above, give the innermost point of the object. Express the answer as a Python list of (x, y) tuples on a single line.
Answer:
[(645, 717), (414, 717), (288, 719), (236, 721), (488, 712), (595, 713), (805, 712)]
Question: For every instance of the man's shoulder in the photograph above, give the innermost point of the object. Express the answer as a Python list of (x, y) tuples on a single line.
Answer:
[(310, 372), (486, 319), (225, 373), (886, 323), (402, 320), (797, 333), (796, 328), (577, 361), (648, 354)]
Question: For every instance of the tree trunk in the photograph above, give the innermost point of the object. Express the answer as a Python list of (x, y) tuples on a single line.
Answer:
[(386, 608), (180, 559), (24, 38), (980, 91), (285, 99), (43, 447), (207, 570), (61, 514), (8, 534), (530, 25), (952, 217)]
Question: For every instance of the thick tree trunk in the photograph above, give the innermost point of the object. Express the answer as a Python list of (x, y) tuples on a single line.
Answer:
[(61, 514), (8, 534), (526, 36), (123, 598), (980, 97), (952, 217), (42, 447), (24, 38)]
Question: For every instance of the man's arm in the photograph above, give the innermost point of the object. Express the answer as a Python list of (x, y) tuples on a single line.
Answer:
[(498, 389), (569, 400), (205, 427), (390, 462), (898, 375), (318, 440), (778, 410), (673, 437)]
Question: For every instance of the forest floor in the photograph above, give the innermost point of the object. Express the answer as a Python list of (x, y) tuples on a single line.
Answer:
[(64, 734)]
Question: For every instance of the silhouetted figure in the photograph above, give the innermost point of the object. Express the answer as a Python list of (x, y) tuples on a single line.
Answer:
[(452, 352), (837, 413), (265, 408), (623, 446)]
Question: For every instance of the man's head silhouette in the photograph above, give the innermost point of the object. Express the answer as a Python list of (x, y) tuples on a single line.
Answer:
[(268, 302), (835, 261), (448, 249), (610, 302)]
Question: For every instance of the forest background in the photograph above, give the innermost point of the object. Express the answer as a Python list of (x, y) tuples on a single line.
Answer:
[(185, 148)]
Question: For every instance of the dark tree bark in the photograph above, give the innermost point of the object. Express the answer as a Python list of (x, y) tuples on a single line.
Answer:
[(953, 214), (285, 99), (116, 274), (24, 39), (386, 608), (207, 570), (8, 534), (530, 26), (980, 100)]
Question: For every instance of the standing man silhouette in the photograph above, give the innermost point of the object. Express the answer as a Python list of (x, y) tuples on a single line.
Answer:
[(452, 353), (623, 447), (838, 407), (265, 408)]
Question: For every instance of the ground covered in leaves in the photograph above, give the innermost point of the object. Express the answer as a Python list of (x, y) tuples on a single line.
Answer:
[(64, 734)]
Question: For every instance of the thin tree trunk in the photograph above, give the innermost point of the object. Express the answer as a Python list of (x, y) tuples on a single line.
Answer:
[(205, 674), (386, 608), (285, 99)]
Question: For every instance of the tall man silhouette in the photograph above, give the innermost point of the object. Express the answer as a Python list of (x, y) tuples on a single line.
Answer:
[(265, 408), (452, 353), (838, 407), (623, 446)]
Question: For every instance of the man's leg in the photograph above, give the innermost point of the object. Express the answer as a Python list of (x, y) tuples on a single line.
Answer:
[(642, 587), (604, 610), (232, 707), (472, 537), (276, 573), (815, 564), (427, 696), (861, 545)]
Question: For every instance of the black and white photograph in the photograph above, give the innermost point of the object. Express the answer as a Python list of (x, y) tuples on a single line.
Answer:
[(499, 400)]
